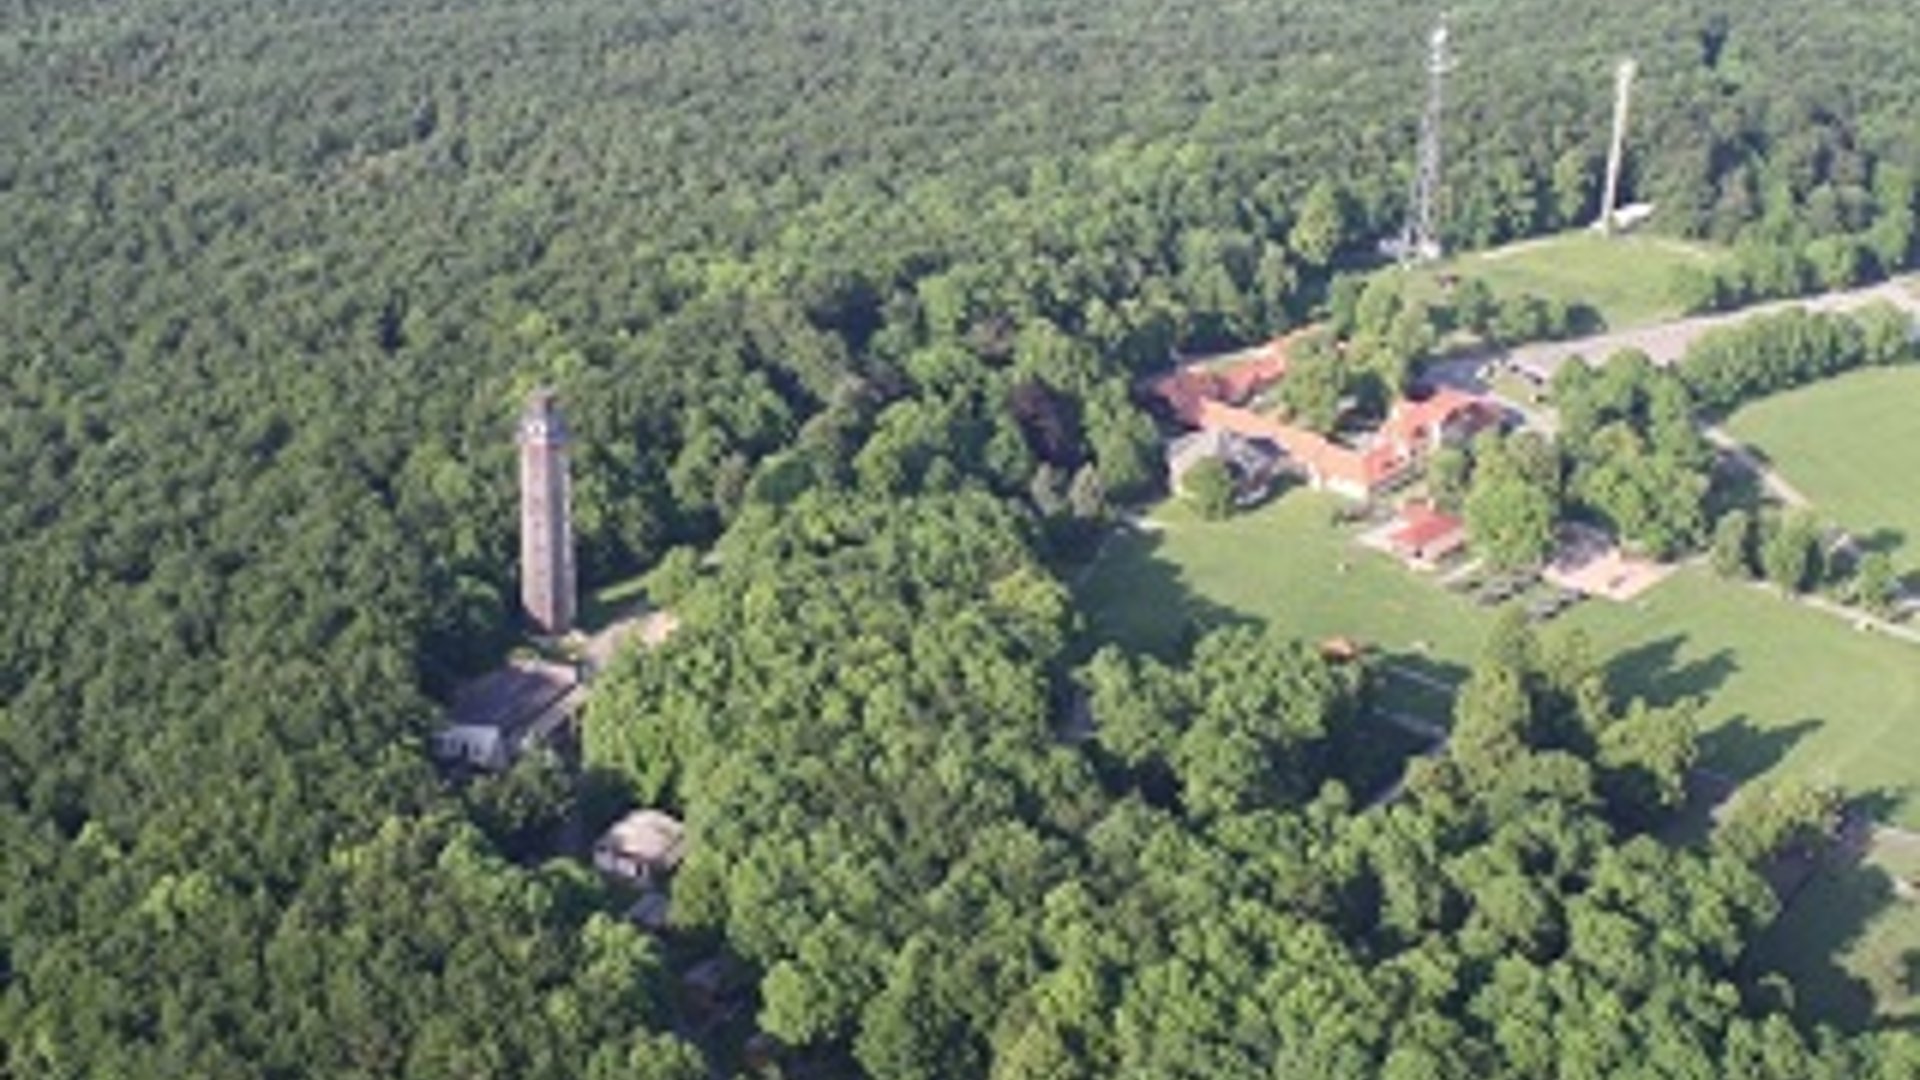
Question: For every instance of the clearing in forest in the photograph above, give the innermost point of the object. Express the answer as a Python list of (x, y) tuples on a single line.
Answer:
[(1852, 444), (1625, 280), (1788, 690)]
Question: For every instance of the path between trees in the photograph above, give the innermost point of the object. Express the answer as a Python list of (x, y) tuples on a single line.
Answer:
[(1861, 620)]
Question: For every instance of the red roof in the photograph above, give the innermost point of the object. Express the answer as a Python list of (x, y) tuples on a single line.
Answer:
[(1421, 525), (1212, 395), (1233, 379), (1415, 421)]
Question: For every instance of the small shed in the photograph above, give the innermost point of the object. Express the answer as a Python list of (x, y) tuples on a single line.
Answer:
[(491, 716), (643, 847)]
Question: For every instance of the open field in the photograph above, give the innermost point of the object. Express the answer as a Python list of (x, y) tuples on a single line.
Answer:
[(1626, 280), (1852, 445), (1850, 941), (1789, 690), (1282, 562)]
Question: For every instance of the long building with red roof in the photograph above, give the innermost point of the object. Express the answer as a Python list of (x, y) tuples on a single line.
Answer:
[(1219, 395)]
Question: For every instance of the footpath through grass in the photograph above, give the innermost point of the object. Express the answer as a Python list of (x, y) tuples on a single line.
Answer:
[(1627, 280), (1852, 445)]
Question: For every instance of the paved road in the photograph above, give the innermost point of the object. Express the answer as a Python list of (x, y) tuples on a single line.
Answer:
[(1664, 342), (1668, 342)]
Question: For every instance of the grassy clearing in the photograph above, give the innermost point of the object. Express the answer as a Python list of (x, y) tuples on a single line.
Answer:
[(1627, 280), (1283, 563), (1850, 941), (1788, 690), (1852, 445)]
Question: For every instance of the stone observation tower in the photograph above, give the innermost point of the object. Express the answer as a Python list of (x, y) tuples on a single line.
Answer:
[(546, 517)]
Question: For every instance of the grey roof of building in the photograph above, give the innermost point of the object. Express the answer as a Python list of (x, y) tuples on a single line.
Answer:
[(1248, 455), (512, 696)]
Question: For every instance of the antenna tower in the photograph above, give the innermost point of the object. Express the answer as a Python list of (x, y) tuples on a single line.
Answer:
[(1622, 98), (1420, 240)]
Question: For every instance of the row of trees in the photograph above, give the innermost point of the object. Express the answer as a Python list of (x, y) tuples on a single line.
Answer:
[(1791, 551), (1769, 353), (1783, 256)]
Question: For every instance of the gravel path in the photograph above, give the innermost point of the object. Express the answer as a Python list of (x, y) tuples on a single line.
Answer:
[(1744, 456)]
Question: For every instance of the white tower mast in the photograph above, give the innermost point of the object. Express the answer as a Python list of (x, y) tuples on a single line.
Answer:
[(1622, 99)]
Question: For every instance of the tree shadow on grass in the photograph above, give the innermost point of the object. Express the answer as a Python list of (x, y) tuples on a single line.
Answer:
[(1584, 320), (1827, 915), (1416, 683), (1734, 488), (1887, 541), (1654, 673), (1133, 596), (1740, 750), (1730, 755)]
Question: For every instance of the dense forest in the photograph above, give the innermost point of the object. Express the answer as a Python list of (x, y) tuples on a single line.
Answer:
[(854, 290)]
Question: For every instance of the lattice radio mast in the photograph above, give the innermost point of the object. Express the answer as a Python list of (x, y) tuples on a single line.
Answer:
[(1420, 240)]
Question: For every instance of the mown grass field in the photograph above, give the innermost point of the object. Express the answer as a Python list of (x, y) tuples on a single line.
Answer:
[(1627, 280), (1284, 563), (1852, 445), (1788, 690)]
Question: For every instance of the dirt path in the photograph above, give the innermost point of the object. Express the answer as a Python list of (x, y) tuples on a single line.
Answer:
[(1861, 620), (1776, 485)]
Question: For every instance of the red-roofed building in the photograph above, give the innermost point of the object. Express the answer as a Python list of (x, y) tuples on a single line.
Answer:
[(1234, 379), (1423, 534), (1213, 396)]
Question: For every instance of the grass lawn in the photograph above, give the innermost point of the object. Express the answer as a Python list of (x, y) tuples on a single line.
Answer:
[(1626, 279), (1789, 690), (1849, 942), (1852, 445), (1281, 563)]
